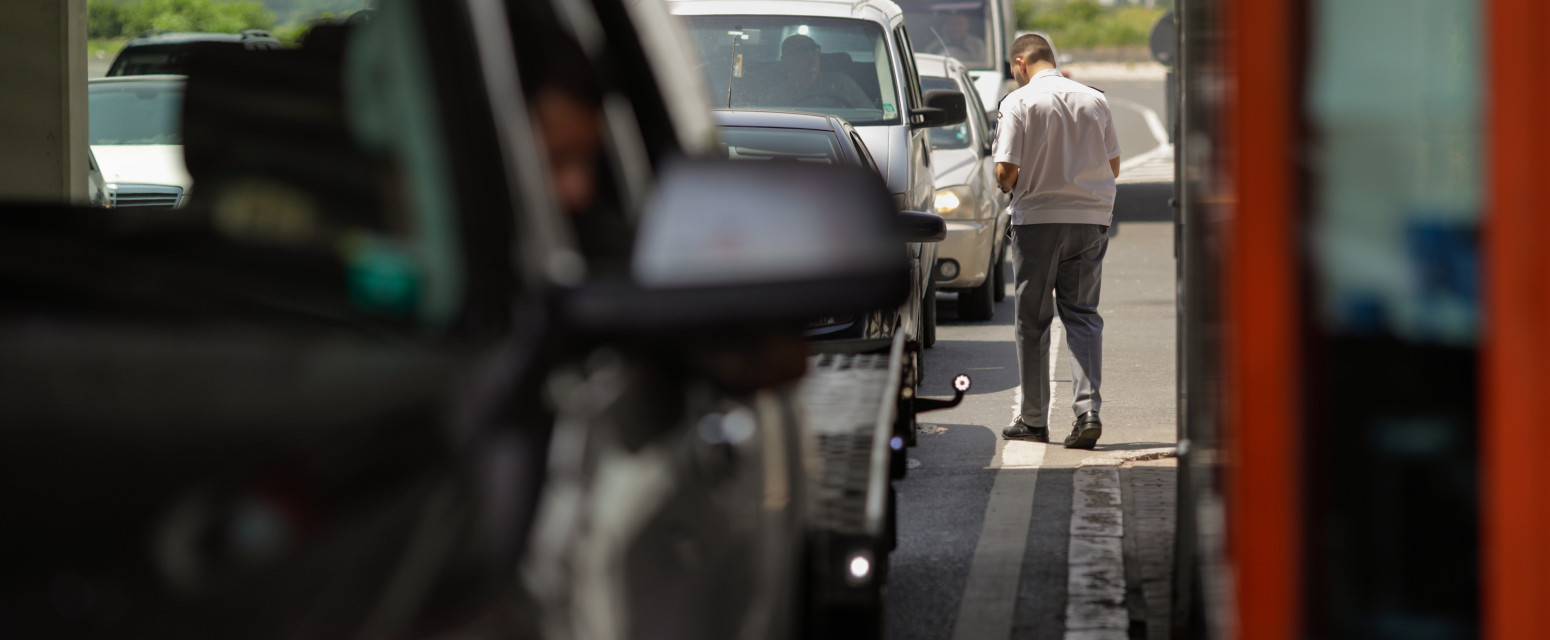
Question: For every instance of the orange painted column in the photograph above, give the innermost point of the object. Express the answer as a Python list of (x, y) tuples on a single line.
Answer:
[(1262, 286), (1515, 372)]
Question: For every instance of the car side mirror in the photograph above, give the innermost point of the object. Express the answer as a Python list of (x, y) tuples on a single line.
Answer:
[(944, 107), (735, 245), (922, 227)]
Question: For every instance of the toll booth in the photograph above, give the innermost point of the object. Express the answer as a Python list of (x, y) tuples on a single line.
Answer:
[(1363, 351)]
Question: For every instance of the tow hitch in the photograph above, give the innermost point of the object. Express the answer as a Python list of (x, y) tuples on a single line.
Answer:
[(961, 385)]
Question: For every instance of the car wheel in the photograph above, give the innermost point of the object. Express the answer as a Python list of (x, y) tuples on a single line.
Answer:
[(928, 317), (1000, 276), (978, 304)]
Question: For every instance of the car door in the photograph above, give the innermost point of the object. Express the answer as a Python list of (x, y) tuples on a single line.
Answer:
[(922, 183)]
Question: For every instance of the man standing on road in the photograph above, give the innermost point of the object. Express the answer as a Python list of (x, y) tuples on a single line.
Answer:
[(1058, 155)]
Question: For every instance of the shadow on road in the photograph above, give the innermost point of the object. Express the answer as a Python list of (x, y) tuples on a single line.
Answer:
[(1143, 202)]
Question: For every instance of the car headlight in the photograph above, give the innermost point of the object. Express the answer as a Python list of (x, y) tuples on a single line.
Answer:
[(955, 203)]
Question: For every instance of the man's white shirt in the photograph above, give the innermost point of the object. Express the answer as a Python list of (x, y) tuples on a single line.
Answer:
[(1060, 134)]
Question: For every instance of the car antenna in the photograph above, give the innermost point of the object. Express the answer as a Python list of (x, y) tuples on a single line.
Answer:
[(940, 41), (737, 61)]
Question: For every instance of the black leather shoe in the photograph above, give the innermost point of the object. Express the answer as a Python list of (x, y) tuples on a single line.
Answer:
[(1085, 431), (1021, 431)]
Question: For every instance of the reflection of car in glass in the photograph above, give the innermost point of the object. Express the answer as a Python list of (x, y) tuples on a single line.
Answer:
[(760, 54), (167, 53), (370, 384), (135, 136), (972, 260), (773, 136), (978, 33)]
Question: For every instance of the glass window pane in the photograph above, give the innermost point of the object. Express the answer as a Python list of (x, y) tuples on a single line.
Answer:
[(957, 29), (764, 144), (836, 66), (952, 136)]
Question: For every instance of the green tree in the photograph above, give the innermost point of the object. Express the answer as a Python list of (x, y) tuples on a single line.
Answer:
[(111, 18)]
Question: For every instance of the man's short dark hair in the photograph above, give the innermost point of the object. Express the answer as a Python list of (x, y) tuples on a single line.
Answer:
[(1032, 47)]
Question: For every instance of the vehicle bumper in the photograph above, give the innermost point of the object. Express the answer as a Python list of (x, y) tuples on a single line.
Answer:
[(969, 243)]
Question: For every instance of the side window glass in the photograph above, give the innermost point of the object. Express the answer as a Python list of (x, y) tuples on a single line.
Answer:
[(977, 116)]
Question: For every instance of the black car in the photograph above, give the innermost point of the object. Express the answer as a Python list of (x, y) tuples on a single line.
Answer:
[(779, 136), (166, 53)]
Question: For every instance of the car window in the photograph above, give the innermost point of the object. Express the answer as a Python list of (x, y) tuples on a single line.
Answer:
[(835, 66), (774, 144), (149, 60), (134, 113), (960, 29), (955, 136), (977, 113)]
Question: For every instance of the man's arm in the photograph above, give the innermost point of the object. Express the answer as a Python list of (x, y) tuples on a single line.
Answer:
[(1006, 175), (1114, 164)]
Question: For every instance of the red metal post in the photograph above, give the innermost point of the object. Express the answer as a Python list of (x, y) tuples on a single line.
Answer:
[(1515, 372), (1262, 288)]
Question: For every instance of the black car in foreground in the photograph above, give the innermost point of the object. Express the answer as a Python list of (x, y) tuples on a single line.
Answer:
[(779, 136)]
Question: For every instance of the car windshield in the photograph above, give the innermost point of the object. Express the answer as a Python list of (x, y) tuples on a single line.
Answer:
[(952, 136), (135, 113), (957, 28), (834, 66), (769, 143)]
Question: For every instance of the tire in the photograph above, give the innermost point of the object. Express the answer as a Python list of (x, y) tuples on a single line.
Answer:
[(928, 319), (1000, 276), (978, 304)]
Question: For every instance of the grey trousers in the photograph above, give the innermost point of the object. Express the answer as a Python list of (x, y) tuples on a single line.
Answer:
[(1068, 260)]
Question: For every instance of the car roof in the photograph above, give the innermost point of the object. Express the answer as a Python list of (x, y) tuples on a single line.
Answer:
[(938, 66), (148, 79), (773, 119), (884, 9), (185, 37)]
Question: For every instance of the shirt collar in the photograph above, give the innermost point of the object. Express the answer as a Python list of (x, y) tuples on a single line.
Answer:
[(1048, 73)]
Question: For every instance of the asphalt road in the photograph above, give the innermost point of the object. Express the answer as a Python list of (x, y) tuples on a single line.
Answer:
[(943, 501)]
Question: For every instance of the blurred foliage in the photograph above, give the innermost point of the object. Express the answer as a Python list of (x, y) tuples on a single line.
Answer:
[(116, 19), (1085, 23)]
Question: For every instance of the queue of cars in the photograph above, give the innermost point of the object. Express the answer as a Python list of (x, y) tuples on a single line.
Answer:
[(375, 380)]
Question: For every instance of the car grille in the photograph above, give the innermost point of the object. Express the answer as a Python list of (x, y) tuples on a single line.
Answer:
[(146, 195)]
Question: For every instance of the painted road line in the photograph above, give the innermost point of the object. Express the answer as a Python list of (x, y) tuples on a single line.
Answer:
[(990, 595), (1095, 582), (1153, 121)]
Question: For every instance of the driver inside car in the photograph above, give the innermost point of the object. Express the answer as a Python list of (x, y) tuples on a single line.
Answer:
[(800, 81)]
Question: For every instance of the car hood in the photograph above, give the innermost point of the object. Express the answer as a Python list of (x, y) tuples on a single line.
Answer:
[(878, 142), (143, 164), (953, 166)]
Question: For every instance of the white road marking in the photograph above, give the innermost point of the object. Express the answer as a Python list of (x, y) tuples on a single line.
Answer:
[(1153, 121), (990, 594)]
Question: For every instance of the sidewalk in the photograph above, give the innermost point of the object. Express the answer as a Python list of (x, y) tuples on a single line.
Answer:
[(1150, 499)]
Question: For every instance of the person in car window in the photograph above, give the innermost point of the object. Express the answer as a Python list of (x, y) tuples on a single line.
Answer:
[(956, 40), (800, 81)]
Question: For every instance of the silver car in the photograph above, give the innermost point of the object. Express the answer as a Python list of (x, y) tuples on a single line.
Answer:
[(847, 59), (972, 260)]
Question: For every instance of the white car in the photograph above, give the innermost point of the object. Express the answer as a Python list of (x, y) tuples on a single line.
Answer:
[(972, 260), (849, 59), (137, 141)]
